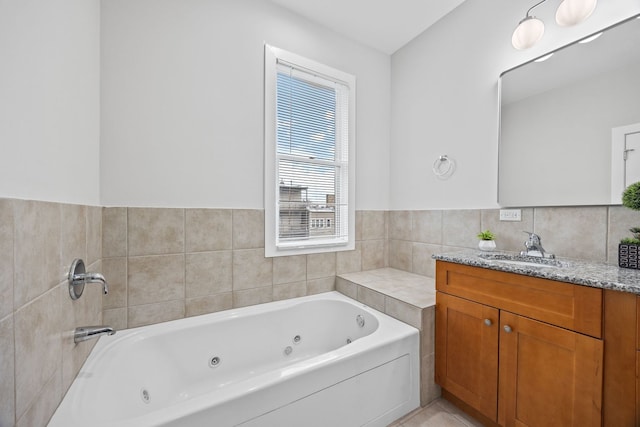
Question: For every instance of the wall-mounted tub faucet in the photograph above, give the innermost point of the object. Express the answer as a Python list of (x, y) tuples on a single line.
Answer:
[(78, 277), (84, 333)]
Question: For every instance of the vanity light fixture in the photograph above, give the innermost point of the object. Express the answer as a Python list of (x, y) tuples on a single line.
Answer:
[(570, 12)]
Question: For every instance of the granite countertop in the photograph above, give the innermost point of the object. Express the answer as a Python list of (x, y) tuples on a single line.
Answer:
[(579, 272)]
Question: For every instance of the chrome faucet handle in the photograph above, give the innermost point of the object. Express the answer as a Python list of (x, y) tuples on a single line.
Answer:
[(534, 246), (78, 277)]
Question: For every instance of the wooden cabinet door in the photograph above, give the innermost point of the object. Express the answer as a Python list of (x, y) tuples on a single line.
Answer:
[(637, 388), (549, 376), (467, 351)]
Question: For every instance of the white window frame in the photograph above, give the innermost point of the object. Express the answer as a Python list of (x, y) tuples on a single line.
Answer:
[(272, 56)]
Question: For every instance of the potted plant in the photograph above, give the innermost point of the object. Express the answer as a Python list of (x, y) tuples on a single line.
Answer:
[(487, 241), (629, 248)]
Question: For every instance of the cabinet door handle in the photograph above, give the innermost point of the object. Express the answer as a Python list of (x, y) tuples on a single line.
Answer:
[(488, 322), (507, 329)]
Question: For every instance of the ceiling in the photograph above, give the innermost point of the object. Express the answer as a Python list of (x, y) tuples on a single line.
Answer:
[(385, 25)]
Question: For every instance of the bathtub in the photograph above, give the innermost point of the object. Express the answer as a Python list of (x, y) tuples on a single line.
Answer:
[(323, 360)]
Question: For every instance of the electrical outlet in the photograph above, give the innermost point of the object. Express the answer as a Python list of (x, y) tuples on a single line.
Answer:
[(510, 215)]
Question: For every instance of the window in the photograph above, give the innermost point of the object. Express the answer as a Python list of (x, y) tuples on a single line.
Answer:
[(309, 156)]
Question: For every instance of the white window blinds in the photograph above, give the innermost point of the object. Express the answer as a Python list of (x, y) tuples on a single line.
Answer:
[(311, 155)]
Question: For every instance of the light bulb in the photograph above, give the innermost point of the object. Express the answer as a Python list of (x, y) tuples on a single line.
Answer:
[(572, 12), (527, 33)]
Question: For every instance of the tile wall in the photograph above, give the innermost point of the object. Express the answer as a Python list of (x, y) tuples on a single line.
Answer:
[(165, 264), (38, 359)]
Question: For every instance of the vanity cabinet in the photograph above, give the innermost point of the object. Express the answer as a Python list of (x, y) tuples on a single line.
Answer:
[(518, 350)]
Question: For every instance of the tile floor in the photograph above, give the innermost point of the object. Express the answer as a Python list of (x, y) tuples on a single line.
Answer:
[(439, 413)]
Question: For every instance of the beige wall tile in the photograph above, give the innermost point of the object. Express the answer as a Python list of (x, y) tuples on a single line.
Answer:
[(248, 228), (289, 290), (44, 405), (621, 219), (400, 225), (209, 304), (115, 272), (429, 390), (149, 314), (155, 231), (38, 326), (114, 232), (422, 262), (374, 225), (321, 265), (400, 254), (208, 230), (509, 234), (428, 330), (371, 298), (427, 227), (37, 249), (6, 258), (347, 288), (318, 286), (209, 273), (573, 232), (460, 227), (374, 254), (349, 261), (404, 312), (94, 234), (116, 318), (255, 296), (73, 234), (7, 357), (358, 232), (289, 269), (251, 269), (153, 279)]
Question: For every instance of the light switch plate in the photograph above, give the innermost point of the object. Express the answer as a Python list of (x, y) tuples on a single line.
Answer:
[(510, 215)]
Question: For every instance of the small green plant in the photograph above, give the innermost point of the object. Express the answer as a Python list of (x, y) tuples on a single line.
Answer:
[(631, 199), (631, 196), (486, 235), (635, 240)]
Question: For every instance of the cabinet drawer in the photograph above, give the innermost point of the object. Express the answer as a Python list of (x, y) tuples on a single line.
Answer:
[(574, 307)]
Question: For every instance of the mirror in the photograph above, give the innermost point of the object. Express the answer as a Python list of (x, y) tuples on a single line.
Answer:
[(569, 124)]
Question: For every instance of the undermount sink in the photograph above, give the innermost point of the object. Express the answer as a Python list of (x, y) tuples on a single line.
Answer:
[(526, 261)]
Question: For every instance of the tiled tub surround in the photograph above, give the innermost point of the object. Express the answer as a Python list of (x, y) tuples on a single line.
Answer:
[(407, 297), (218, 254), (38, 358), (164, 264)]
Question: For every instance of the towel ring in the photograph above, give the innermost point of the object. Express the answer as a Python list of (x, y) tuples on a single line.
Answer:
[(443, 166)]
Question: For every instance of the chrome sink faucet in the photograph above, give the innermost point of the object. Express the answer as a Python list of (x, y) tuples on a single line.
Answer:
[(534, 247), (84, 333)]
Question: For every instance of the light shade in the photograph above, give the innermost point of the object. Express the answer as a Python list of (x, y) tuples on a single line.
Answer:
[(528, 32), (572, 12)]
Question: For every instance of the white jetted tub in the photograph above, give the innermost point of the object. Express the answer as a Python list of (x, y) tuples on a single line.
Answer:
[(322, 360)]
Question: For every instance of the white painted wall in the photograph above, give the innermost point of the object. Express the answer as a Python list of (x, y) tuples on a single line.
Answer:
[(182, 101), (49, 100), (445, 101)]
